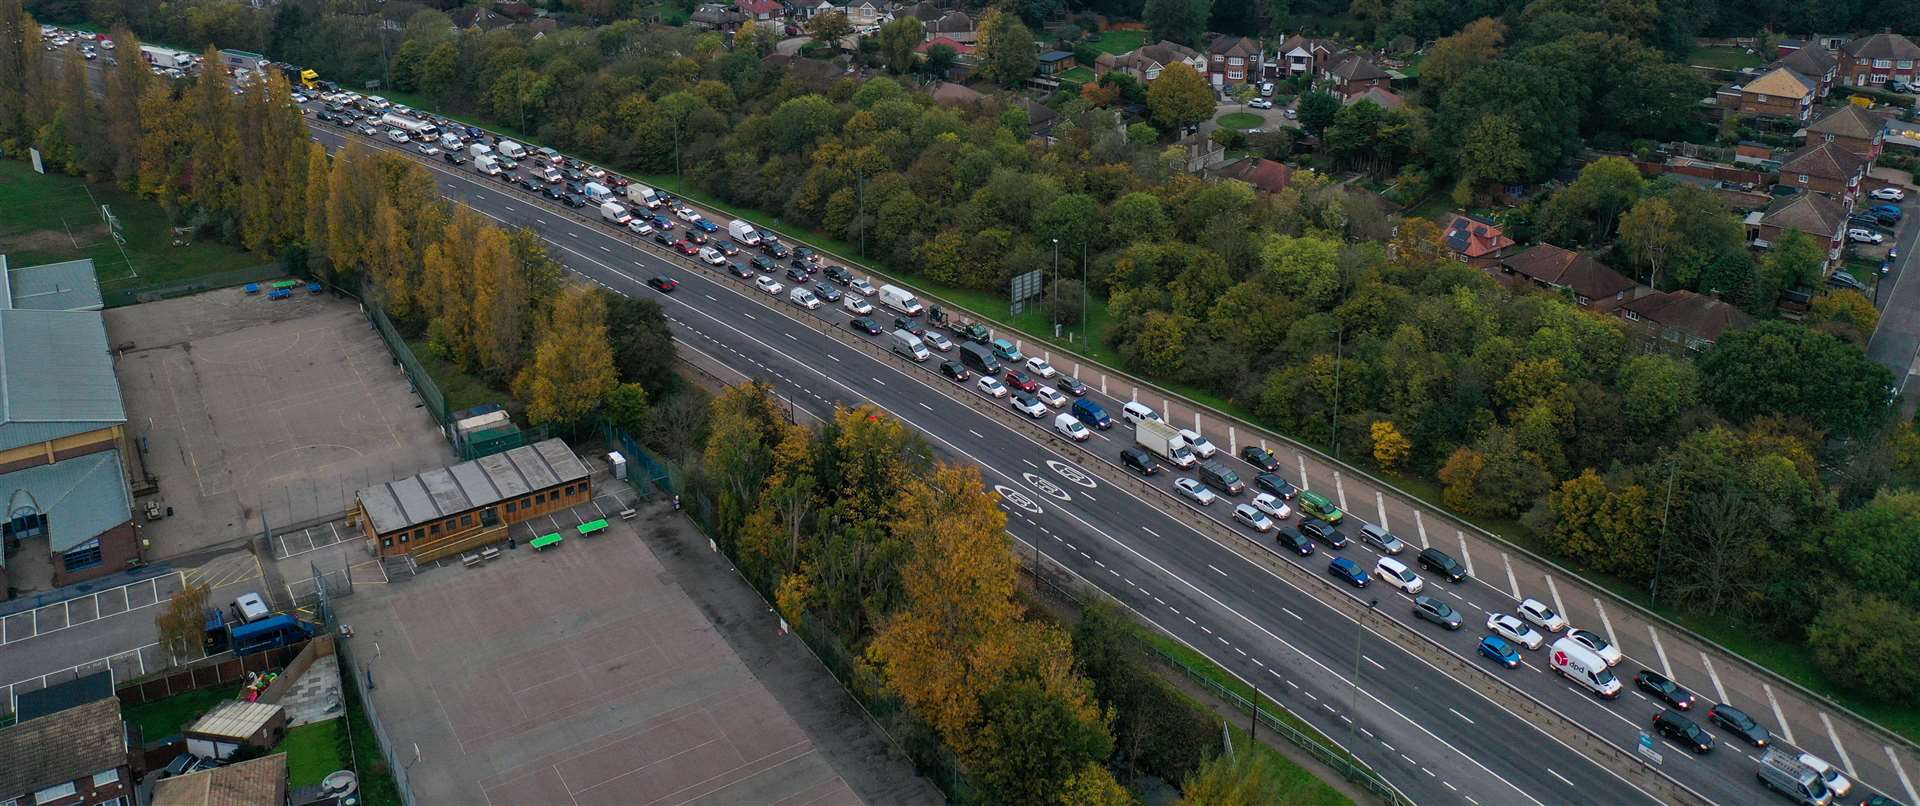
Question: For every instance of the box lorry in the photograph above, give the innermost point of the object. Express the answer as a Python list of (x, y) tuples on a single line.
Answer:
[(487, 165), (1163, 441), (513, 151), (900, 300), (643, 195), (598, 193), (909, 345), (1584, 667), (614, 214), (743, 232)]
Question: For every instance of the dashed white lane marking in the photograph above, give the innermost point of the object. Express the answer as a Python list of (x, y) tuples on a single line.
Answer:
[(1711, 675), (791, 337), (1781, 719), (1376, 664), (606, 250), (1664, 665), (1461, 715), (1149, 531), (1449, 785), (1029, 463), (1216, 570), (1563, 779), (878, 381), (709, 296), (836, 359), (1912, 796), (975, 433), (1310, 696), (1845, 762), (1190, 620), (1291, 613)]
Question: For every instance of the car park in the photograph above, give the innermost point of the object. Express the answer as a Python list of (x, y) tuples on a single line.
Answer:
[(1276, 484), (954, 370), (1324, 532), (1070, 385), (1737, 722), (867, 326), (988, 384), (1348, 571), (1513, 629), (1194, 491), (1050, 396), (1500, 651), (1139, 461), (664, 283), (1682, 731), (1378, 537), (1071, 428), (826, 292), (1259, 457), (1663, 689), (1273, 506), (1252, 518), (1028, 405), (1887, 210), (1394, 573), (857, 305), (1427, 608), (1443, 564), (768, 284), (1859, 235), (1290, 539), (1540, 615), (1039, 366), (933, 338), (1599, 646)]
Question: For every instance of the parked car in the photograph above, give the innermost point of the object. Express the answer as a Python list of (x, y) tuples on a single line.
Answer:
[(1858, 235), (1888, 194), (1260, 103), (1663, 689)]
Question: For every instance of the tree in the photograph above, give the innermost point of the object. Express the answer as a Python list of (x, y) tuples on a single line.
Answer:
[(572, 368), (1460, 477), (1589, 208), (1246, 778), (1139, 217), (1870, 645), (1177, 20), (801, 121), (1180, 98), (1006, 50), (941, 58), (643, 349), (1317, 110), (1784, 368), (126, 82), (22, 70), (629, 408), (1160, 345), (1390, 447), (1794, 258), (1845, 313), (830, 28), (1649, 234), (182, 626), (1455, 56), (898, 41), (1656, 389)]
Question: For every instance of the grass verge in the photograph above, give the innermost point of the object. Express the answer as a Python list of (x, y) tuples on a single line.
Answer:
[(165, 717), (460, 389), (377, 786), (1288, 782), (314, 751)]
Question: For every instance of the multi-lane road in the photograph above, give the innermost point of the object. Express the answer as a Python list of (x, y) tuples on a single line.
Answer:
[(1436, 738)]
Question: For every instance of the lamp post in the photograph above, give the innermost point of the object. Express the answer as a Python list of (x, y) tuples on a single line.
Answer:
[(1051, 309), (1660, 553)]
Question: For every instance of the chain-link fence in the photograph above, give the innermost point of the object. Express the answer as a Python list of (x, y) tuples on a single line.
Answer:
[(362, 687), (115, 296), (416, 375)]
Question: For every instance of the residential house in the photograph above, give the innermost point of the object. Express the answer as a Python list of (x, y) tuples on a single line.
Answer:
[(1812, 213), (1146, 62), (543, 26), (1778, 93), (255, 782), (1825, 168), (70, 758), (1691, 320), (1199, 152), (926, 11), (1476, 241), (808, 11), (1353, 75), (1830, 42), (717, 17), (1264, 175), (1301, 56), (865, 14), (1040, 117), (1853, 128), (1230, 60), (955, 25), (947, 93), (1379, 96), (515, 10), (1055, 62), (477, 18), (765, 13), (959, 47), (1591, 284), (1815, 64), (1880, 59)]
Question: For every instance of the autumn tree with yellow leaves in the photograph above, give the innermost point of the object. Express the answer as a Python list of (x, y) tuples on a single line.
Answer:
[(572, 367)]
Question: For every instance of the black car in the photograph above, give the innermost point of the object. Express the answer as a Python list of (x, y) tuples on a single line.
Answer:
[(839, 274), (775, 249), (1324, 532), (573, 175), (826, 292), (1274, 483), (1260, 457), (694, 235), (324, 116), (665, 284), (1683, 731), (1290, 539), (576, 187), (807, 254), (910, 325), (740, 271), (1443, 564), (527, 183), (865, 325), (1139, 461), (795, 274), (453, 157), (663, 239), (954, 370), (554, 192), (573, 200), (1663, 689), (1070, 385), (1737, 721), (761, 264)]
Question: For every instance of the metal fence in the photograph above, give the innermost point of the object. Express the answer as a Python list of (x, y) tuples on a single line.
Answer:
[(131, 295), (423, 384), (362, 679)]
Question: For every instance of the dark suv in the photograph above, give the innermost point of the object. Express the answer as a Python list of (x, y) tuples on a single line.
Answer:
[(1260, 457), (1441, 563), (1139, 461), (1683, 731), (839, 274), (1324, 532), (1290, 539)]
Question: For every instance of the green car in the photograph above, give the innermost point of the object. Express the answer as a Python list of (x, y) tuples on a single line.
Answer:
[(1315, 505)]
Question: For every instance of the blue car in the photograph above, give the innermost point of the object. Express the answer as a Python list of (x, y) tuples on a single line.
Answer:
[(661, 222), (1888, 209), (1348, 570), (706, 226), (1501, 652)]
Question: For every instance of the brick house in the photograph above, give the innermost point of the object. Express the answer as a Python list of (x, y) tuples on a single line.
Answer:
[(1354, 75), (1476, 241), (1146, 62), (1853, 128), (1779, 93), (1264, 175), (1694, 321), (1231, 61), (1879, 59), (74, 757), (867, 14), (765, 13), (1815, 64), (1301, 56), (1591, 284), (1825, 168), (1812, 213)]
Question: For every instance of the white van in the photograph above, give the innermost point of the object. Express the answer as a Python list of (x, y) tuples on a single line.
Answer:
[(513, 151), (449, 141), (486, 164), (803, 298), (899, 299), (1070, 427), (1585, 668), (909, 345), (1395, 573), (252, 607), (598, 193), (1135, 411)]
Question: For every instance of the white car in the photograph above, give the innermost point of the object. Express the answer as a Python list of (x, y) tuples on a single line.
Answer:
[(1253, 519), (1070, 427), (713, 257), (595, 173), (992, 386), (1515, 630), (1272, 505), (936, 341), (638, 227), (1026, 404), (396, 136), (1888, 194), (857, 306), (768, 285), (865, 288), (1607, 652), (1201, 447), (1051, 397), (1194, 490), (1858, 235), (686, 214), (1260, 103), (1540, 615), (1393, 572), (1836, 782), (1040, 367), (431, 151)]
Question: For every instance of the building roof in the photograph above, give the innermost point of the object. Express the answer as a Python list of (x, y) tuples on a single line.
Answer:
[(66, 746), (83, 497), (438, 493), (1233, 46), (1884, 45), (926, 11), (56, 376), (1167, 52), (715, 14), (1562, 268), (952, 22), (1263, 174), (958, 46), (477, 17), (1696, 315), (1811, 213), (1039, 116), (1781, 83), (1356, 68), (1850, 120), (1813, 62), (1299, 42), (235, 719), (948, 93), (1824, 160), (61, 696), (1474, 237), (252, 782), (1055, 56), (1378, 95), (515, 9), (69, 286), (757, 7)]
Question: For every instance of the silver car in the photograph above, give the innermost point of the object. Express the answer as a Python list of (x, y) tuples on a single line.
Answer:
[(1378, 537), (1436, 611)]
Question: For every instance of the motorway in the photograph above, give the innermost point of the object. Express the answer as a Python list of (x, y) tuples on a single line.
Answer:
[(1438, 739)]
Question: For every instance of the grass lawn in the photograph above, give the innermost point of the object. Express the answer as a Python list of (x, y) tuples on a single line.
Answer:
[(313, 751), (377, 787), (1118, 42), (1290, 783), (53, 217), (1214, 673), (461, 390), (162, 718), (1241, 120), (1081, 75), (1725, 58)]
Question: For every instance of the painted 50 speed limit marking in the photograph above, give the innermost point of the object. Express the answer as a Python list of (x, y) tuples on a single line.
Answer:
[(1071, 473), (1017, 498), (1046, 486)]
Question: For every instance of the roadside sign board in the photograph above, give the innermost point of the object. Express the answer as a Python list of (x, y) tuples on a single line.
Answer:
[(1646, 748)]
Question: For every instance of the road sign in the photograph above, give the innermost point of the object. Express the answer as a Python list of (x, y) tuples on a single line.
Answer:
[(1026, 287), (1646, 748)]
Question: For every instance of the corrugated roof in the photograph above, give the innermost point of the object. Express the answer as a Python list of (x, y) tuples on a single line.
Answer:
[(234, 719), (82, 497), (69, 286), (249, 783), (438, 493), (55, 367), (66, 746)]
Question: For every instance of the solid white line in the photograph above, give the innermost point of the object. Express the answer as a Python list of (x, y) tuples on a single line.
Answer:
[(1462, 716), (1606, 622), (1464, 556), (1905, 782), (1380, 506), (1845, 762), (1785, 729), (1717, 688), (1423, 528), (1558, 606), (1664, 665), (1511, 582), (1563, 779)]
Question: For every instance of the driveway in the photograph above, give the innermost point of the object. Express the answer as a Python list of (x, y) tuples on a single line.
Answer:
[(1272, 119)]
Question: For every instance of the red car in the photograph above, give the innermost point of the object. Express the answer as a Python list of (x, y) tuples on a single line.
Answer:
[(1019, 380), (665, 284), (686, 247)]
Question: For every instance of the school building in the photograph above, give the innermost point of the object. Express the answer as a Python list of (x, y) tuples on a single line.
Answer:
[(451, 509)]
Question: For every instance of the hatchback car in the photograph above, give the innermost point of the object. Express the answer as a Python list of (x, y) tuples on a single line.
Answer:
[(1348, 571), (1324, 532), (1741, 725), (1021, 380), (932, 338), (1378, 537), (1290, 539), (797, 275), (868, 326), (954, 370), (1039, 366), (1194, 491), (768, 284), (1070, 385), (1253, 518), (1540, 615), (1427, 608), (1276, 484), (1029, 405), (989, 384), (1836, 782), (740, 271), (827, 292), (453, 157), (1513, 629), (1139, 461), (1200, 445), (1858, 235), (760, 264), (1499, 651), (1682, 731), (1443, 564), (865, 288), (1663, 689), (665, 284), (1888, 194), (685, 247), (857, 305), (1592, 641), (910, 325), (1273, 506), (1047, 395), (1392, 572)]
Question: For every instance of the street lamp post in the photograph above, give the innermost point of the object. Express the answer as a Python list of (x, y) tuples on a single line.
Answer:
[(1660, 554), (1053, 309)]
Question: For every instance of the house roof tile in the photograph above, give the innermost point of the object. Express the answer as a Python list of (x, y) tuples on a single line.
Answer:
[(62, 747), (1475, 237), (1811, 213), (1265, 175), (1885, 45), (1562, 268), (1357, 68), (1824, 160), (1779, 82), (1849, 121), (1697, 315)]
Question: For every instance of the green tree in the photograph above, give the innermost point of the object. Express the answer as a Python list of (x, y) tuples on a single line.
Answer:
[(1793, 259), (629, 408), (942, 57), (1317, 110), (1071, 218), (1179, 20), (572, 369), (1783, 368), (830, 28), (1649, 234), (1656, 389), (1588, 208), (898, 41), (643, 349), (1870, 546), (1455, 56), (1160, 346), (1033, 742), (800, 121), (1247, 778), (1845, 313), (1870, 645), (438, 71), (1138, 217), (1006, 50), (1181, 97)]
